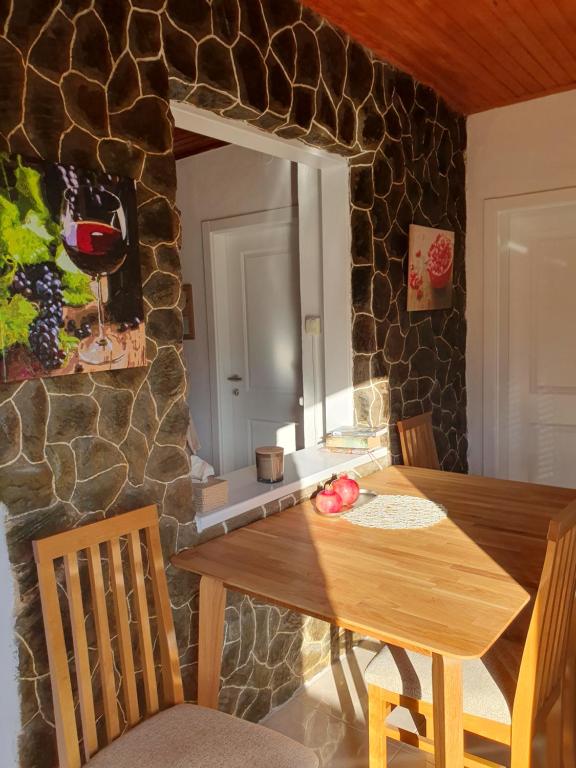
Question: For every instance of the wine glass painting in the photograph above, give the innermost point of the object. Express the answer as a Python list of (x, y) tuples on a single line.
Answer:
[(70, 284), (430, 268)]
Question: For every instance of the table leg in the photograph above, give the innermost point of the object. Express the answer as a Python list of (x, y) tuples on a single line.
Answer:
[(210, 640), (448, 712)]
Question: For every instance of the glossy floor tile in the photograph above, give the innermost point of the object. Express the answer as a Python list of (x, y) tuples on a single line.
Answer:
[(329, 715)]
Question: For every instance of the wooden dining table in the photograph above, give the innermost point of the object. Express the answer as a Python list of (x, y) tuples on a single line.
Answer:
[(449, 590)]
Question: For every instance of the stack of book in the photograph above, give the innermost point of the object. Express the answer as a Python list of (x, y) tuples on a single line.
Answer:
[(356, 438)]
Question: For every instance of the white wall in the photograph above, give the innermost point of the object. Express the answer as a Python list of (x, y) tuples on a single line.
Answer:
[(214, 185), (528, 147), (9, 697)]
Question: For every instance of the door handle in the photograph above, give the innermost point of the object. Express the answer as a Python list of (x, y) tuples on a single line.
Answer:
[(235, 377)]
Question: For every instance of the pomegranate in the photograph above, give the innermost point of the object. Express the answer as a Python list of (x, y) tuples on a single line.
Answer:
[(347, 489), (328, 501), (415, 280), (439, 262)]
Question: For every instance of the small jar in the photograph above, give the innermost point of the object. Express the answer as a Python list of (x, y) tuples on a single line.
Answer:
[(270, 464)]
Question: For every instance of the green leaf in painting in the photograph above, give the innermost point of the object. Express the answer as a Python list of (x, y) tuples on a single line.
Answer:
[(76, 289), (5, 283), (23, 246), (15, 318), (9, 214), (68, 343), (35, 224), (29, 188)]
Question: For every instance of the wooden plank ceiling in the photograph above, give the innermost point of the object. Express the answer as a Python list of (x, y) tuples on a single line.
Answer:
[(187, 143), (478, 54)]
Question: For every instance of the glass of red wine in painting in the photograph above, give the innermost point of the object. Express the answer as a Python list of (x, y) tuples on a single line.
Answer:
[(94, 234)]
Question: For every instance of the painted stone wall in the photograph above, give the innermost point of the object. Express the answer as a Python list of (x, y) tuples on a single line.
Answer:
[(88, 82)]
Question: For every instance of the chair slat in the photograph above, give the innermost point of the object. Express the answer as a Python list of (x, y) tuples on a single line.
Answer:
[(171, 677), (64, 718), (104, 645), (143, 619), (81, 658), (123, 629)]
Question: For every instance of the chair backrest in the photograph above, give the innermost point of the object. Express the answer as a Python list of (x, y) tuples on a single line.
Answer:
[(417, 441), (545, 655), (95, 545)]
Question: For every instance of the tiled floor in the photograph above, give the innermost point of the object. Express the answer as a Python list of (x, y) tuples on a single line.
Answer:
[(329, 715)]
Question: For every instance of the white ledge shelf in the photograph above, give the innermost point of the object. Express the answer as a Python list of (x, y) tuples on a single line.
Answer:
[(301, 470)]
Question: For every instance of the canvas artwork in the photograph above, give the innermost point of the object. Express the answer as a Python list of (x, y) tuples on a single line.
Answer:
[(70, 284), (430, 266)]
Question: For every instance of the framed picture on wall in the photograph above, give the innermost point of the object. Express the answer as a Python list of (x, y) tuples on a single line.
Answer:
[(188, 313), (430, 268), (70, 282)]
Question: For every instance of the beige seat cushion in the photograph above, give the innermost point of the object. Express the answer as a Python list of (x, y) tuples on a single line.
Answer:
[(489, 683), (187, 736)]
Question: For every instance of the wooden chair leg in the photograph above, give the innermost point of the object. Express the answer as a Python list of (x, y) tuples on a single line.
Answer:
[(378, 711), (569, 700), (554, 737), (210, 640)]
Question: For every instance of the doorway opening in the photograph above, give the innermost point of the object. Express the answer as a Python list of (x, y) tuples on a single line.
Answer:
[(267, 274)]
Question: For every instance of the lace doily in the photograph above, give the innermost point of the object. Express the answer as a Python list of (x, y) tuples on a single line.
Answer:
[(397, 513)]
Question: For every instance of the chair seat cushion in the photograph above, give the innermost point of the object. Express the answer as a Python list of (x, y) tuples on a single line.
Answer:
[(188, 736), (489, 683)]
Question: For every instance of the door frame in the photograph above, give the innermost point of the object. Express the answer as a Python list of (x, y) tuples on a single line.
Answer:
[(496, 319), (325, 234), (214, 244)]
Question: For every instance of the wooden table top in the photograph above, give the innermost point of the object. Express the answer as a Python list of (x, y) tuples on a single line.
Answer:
[(451, 589)]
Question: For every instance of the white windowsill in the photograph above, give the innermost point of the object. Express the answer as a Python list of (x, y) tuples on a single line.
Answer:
[(301, 470)]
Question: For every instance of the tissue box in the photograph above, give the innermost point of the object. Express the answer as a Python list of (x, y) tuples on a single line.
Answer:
[(210, 495)]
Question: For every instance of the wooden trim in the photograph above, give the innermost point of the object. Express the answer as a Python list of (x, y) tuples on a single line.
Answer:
[(188, 144), (477, 55)]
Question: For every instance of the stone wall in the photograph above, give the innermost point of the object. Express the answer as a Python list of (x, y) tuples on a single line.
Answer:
[(88, 82)]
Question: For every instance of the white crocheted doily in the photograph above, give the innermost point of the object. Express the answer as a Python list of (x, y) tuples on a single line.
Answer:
[(397, 512)]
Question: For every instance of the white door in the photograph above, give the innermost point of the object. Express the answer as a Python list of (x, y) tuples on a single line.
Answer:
[(531, 313), (257, 318)]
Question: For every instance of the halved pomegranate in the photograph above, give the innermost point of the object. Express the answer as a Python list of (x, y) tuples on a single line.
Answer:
[(439, 262)]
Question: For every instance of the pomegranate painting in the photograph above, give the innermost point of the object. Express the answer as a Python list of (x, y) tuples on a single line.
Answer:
[(430, 268)]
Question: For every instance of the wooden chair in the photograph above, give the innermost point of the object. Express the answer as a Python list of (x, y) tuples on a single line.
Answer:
[(417, 441), (203, 738), (510, 693)]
